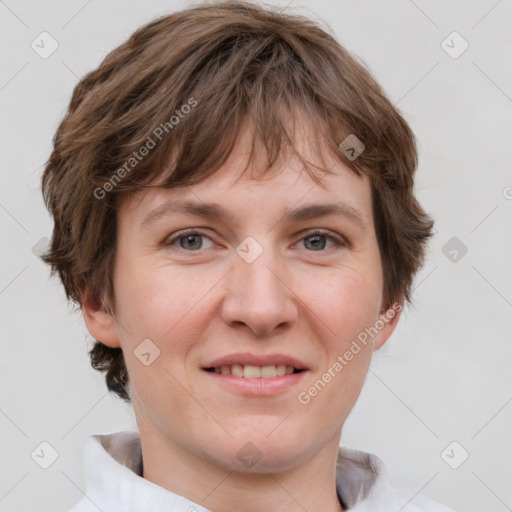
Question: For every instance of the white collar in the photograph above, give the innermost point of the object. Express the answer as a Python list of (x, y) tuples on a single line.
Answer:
[(113, 468)]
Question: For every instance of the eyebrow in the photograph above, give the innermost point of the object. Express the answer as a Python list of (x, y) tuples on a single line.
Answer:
[(215, 211)]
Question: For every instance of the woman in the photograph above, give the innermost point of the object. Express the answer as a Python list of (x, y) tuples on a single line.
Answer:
[(256, 138)]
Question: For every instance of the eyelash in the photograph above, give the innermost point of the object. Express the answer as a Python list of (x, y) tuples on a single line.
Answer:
[(339, 241)]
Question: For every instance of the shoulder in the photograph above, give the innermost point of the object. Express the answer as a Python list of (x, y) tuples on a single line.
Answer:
[(362, 482)]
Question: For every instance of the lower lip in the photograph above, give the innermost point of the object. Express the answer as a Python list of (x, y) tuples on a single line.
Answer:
[(257, 387)]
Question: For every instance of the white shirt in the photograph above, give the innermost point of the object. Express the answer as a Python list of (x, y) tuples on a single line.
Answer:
[(113, 468)]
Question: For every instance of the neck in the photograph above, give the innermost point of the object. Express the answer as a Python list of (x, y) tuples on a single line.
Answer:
[(310, 485)]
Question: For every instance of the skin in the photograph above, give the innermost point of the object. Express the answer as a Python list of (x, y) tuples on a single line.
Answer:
[(200, 302)]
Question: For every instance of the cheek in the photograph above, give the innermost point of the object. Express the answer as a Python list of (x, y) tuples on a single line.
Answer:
[(166, 306), (342, 306), (345, 300), (154, 299), (156, 303)]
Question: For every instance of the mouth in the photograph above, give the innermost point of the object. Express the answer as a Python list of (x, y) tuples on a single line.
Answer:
[(248, 371), (256, 381), (262, 375)]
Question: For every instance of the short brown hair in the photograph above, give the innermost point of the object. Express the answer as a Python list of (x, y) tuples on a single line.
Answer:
[(229, 62)]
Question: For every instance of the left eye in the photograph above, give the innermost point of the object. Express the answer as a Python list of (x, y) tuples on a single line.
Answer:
[(318, 241)]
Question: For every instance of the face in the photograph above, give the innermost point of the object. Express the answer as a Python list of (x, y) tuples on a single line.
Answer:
[(263, 286)]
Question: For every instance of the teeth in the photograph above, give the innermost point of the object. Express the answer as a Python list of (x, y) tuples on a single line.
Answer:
[(237, 370), (268, 371), (255, 372), (252, 372), (281, 369)]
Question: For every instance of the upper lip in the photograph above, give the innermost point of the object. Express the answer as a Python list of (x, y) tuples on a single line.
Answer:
[(257, 360)]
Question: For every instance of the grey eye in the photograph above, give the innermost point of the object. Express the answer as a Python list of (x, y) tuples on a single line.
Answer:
[(191, 242), (315, 242)]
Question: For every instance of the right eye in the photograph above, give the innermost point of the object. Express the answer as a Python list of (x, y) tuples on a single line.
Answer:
[(190, 240)]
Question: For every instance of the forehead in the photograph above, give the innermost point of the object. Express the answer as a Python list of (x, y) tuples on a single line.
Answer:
[(246, 185)]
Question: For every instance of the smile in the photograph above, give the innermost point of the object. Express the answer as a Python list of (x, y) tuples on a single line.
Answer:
[(257, 384), (248, 371)]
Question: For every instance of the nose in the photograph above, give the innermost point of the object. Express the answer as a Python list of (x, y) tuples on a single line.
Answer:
[(258, 295)]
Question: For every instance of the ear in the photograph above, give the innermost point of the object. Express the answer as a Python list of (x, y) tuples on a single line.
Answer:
[(100, 321), (390, 319)]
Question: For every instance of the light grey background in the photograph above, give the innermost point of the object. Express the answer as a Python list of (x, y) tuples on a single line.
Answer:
[(443, 376)]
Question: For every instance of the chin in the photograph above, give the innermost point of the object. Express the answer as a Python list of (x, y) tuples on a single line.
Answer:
[(259, 452)]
